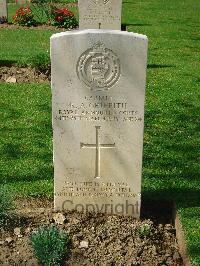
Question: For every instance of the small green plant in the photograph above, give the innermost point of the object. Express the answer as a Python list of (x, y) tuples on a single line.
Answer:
[(24, 17), (50, 245), (144, 230), (42, 10), (41, 62), (6, 206)]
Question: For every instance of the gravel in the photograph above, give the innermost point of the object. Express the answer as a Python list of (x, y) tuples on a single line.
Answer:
[(96, 239)]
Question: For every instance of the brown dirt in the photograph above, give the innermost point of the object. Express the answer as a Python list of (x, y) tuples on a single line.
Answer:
[(13, 26), (38, 27), (112, 240), (23, 74)]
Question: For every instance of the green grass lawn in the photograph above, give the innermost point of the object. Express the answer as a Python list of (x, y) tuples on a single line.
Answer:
[(171, 156), (26, 146), (20, 45)]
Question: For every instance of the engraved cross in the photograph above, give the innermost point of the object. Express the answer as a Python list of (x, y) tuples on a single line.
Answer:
[(98, 146)]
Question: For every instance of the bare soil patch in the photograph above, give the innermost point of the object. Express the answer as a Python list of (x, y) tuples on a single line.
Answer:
[(38, 27), (108, 240), (16, 74)]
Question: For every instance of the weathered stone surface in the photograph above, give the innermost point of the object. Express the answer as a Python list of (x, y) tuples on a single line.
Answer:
[(17, 231), (9, 240), (98, 91), (100, 14), (59, 218), (83, 244), (11, 80), (3, 11)]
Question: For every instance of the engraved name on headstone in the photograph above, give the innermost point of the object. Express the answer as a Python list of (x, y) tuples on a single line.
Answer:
[(100, 14), (98, 92), (3, 11)]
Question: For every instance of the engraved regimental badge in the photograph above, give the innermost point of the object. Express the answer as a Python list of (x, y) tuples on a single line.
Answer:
[(98, 68)]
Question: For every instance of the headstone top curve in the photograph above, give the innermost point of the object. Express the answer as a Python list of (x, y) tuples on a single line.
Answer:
[(97, 31)]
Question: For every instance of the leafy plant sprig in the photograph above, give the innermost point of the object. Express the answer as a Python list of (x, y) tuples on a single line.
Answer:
[(50, 245)]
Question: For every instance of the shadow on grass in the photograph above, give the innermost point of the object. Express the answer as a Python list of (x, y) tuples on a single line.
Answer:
[(7, 63), (12, 151), (159, 205), (159, 212), (171, 153), (125, 25), (42, 173), (128, 2), (179, 156), (138, 24), (32, 150), (158, 66), (194, 250), (195, 38), (45, 108), (182, 196)]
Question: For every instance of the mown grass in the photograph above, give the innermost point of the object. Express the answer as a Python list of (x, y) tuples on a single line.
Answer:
[(171, 156), (20, 45), (26, 146), (190, 218)]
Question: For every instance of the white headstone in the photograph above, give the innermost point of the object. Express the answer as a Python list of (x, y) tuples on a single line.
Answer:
[(98, 89), (100, 14), (3, 11)]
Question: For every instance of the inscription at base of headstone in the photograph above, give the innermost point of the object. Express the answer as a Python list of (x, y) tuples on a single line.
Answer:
[(100, 14), (3, 11), (98, 92)]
